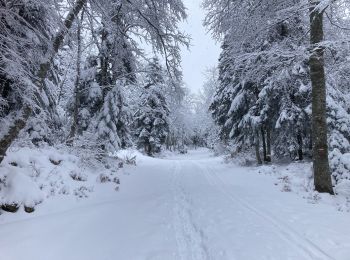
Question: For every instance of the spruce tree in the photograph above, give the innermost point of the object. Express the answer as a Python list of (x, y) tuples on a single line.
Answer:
[(113, 121), (151, 118)]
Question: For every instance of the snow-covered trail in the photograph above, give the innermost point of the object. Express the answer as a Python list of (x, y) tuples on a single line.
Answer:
[(185, 207)]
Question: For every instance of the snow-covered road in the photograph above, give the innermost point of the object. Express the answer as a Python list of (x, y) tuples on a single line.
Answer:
[(185, 207)]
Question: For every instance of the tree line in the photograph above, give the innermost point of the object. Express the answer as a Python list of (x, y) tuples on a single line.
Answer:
[(79, 73), (280, 62)]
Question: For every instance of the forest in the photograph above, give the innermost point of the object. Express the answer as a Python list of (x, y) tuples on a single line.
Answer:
[(92, 91)]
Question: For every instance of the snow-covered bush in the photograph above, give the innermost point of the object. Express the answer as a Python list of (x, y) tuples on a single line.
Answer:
[(29, 176), (18, 189)]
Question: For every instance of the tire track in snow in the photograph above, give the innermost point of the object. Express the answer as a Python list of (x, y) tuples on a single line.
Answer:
[(304, 245), (189, 237)]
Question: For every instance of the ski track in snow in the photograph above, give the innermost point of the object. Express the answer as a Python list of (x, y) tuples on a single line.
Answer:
[(306, 247), (185, 207), (188, 236)]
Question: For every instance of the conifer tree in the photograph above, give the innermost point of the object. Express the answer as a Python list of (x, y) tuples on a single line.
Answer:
[(151, 118), (113, 121)]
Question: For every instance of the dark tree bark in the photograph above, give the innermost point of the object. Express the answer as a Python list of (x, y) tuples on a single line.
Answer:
[(148, 149), (322, 177), (264, 144), (20, 122), (13, 131), (104, 77), (257, 148), (75, 126), (300, 147), (268, 144)]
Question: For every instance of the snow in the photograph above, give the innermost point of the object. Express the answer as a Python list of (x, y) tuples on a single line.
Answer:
[(190, 206), (343, 188), (31, 176), (128, 154), (20, 189)]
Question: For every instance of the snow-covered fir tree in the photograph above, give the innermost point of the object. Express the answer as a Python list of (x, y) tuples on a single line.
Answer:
[(263, 101), (151, 119), (113, 121), (85, 111), (105, 92)]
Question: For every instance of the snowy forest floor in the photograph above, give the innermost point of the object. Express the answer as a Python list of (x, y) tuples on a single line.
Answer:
[(189, 206)]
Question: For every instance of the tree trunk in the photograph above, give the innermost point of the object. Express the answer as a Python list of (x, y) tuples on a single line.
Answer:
[(268, 144), (104, 60), (74, 127), (148, 149), (20, 122), (322, 177), (257, 148), (300, 146), (13, 131), (264, 144)]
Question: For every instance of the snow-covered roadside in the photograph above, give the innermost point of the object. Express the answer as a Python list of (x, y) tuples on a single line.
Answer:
[(32, 176), (190, 206), (297, 178)]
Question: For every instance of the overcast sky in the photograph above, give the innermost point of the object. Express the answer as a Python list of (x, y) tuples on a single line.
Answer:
[(203, 53)]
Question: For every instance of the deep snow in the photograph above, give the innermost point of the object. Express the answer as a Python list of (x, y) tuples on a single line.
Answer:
[(183, 207)]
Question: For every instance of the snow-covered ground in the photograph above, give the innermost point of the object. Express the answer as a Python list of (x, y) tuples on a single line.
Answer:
[(189, 206)]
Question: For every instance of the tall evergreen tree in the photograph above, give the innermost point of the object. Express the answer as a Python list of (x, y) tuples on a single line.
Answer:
[(113, 121), (273, 78), (151, 118)]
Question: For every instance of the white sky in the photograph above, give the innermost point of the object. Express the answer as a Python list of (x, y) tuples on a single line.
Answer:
[(204, 51)]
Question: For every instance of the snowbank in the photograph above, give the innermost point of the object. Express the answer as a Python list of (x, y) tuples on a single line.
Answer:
[(29, 176), (297, 177), (19, 189)]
